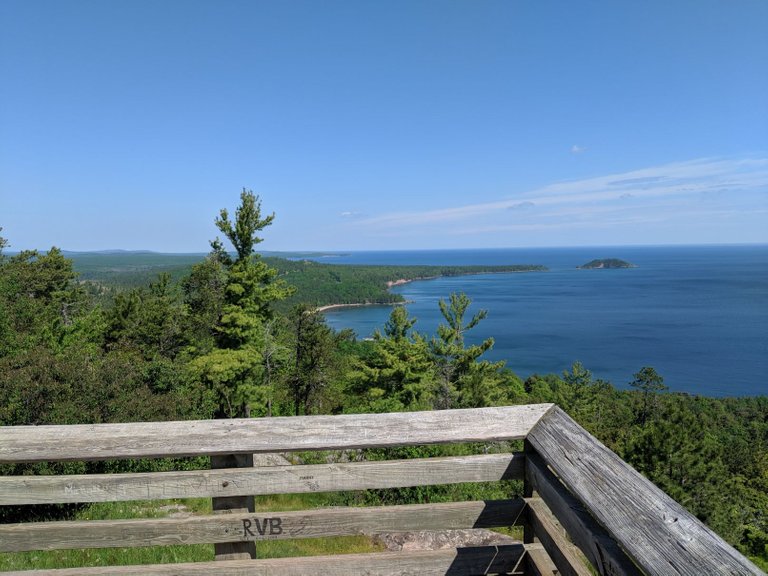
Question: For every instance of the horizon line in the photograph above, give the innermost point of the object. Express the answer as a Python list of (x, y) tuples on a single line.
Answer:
[(123, 251)]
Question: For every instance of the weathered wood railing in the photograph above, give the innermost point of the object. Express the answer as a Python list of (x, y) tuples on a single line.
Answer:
[(581, 503)]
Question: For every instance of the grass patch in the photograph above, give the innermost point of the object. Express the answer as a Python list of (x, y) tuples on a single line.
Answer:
[(105, 557), (299, 501), (143, 509), (173, 554)]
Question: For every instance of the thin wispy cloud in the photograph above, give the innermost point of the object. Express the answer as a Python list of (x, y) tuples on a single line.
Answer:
[(576, 149), (666, 192), (351, 214), (521, 205), (647, 180)]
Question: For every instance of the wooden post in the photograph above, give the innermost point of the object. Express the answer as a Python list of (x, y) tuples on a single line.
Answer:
[(232, 505), (529, 536)]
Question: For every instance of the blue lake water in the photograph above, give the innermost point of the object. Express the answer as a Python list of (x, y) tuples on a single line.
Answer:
[(697, 314)]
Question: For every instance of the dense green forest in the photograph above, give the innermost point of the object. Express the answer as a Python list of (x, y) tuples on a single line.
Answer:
[(218, 338), (104, 275)]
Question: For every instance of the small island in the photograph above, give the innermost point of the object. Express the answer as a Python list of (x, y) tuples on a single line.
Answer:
[(606, 263)]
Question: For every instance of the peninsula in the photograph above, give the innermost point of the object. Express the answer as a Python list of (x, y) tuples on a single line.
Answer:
[(323, 285)]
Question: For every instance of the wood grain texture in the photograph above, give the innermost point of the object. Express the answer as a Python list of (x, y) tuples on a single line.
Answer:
[(553, 539), (258, 435), (452, 562), (258, 526), (657, 533), (602, 551), (284, 479)]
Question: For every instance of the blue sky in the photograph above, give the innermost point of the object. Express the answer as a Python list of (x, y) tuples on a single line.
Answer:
[(384, 125)]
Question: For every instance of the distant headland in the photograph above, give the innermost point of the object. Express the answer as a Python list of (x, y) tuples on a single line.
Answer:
[(606, 263)]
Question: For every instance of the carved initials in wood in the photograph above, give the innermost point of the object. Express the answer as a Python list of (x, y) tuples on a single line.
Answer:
[(275, 526)]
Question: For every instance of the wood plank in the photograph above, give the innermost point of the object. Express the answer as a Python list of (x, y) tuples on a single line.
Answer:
[(454, 561), (258, 435), (538, 563), (595, 543), (260, 526), (554, 541), (657, 532), (528, 535), (266, 480)]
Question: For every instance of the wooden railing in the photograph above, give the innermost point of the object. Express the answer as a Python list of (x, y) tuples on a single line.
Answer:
[(582, 504)]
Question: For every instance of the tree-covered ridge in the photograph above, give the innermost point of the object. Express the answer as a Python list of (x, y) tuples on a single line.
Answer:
[(316, 283), (114, 271), (320, 284)]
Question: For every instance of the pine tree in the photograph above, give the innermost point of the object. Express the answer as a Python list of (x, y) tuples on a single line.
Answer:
[(649, 383), (459, 373), (314, 356), (398, 374), (233, 370)]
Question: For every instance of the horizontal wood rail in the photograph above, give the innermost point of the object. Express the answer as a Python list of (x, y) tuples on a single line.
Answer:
[(258, 526), (453, 562), (584, 509), (260, 481), (252, 436)]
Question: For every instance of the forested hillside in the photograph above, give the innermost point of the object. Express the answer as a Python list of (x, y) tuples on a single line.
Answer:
[(220, 340), (104, 275)]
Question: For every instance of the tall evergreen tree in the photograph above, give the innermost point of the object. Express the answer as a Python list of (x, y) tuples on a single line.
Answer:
[(3, 244), (252, 286), (39, 299), (649, 383), (150, 320), (233, 370), (399, 373), (460, 375), (203, 292), (315, 358)]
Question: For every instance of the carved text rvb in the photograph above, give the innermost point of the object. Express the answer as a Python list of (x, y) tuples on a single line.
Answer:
[(274, 524)]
